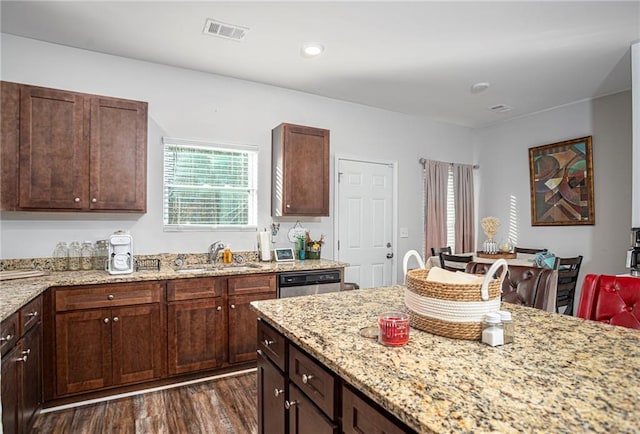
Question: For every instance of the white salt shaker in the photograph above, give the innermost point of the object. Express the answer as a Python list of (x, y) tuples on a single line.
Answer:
[(492, 331)]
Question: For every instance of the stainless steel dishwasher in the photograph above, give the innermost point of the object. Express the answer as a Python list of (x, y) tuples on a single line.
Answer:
[(296, 283)]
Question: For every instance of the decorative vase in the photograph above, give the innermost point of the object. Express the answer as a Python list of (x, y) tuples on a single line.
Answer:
[(490, 246)]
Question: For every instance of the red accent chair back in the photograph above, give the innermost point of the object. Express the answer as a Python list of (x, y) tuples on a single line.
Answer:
[(611, 299)]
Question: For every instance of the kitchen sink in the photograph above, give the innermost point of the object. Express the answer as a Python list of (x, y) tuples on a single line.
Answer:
[(209, 268)]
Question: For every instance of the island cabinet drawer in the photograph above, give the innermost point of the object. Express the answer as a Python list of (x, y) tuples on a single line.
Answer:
[(272, 344), (251, 284), (359, 416), (316, 382), (194, 288), (8, 333), (30, 314), (98, 296)]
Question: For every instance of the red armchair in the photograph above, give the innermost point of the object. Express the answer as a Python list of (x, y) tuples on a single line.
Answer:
[(611, 299)]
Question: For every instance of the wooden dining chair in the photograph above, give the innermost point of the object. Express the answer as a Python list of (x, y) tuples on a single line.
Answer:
[(454, 262), (527, 250), (568, 270), (435, 251)]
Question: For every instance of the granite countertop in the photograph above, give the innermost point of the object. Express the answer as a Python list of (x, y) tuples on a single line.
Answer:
[(562, 374), (18, 292)]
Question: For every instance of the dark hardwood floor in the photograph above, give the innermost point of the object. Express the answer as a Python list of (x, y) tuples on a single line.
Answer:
[(226, 405)]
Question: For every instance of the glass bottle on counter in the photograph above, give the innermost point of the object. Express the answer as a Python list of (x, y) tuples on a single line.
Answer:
[(507, 326), (100, 254), (74, 256), (61, 257), (86, 255)]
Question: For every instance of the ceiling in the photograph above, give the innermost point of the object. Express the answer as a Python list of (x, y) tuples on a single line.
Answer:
[(419, 58)]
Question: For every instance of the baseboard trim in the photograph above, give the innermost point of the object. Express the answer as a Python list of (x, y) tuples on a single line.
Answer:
[(140, 392)]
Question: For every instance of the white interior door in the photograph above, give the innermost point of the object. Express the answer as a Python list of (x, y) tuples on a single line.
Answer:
[(365, 222)]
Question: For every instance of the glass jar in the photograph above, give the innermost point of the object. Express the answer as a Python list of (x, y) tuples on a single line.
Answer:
[(100, 254), (61, 257), (492, 330), (507, 326), (394, 328), (86, 255), (490, 247), (74, 256)]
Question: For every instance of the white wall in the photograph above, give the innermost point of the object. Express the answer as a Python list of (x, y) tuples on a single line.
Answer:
[(189, 104), (504, 166)]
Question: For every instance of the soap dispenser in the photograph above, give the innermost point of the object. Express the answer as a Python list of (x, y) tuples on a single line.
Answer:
[(227, 256)]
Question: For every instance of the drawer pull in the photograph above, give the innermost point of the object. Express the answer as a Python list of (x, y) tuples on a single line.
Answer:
[(289, 404), (33, 314), (94, 200), (23, 358), (6, 338), (306, 378), (26, 352), (106, 320), (277, 392), (268, 342), (110, 297), (219, 308), (76, 200), (116, 319)]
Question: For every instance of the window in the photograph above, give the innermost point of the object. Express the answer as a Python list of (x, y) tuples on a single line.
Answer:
[(209, 186), (451, 210)]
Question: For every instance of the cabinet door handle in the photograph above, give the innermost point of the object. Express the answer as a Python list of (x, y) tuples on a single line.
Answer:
[(268, 342), (76, 200), (94, 200), (219, 308), (110, 297), (33, 314), (288, 404), (277, 392), (288, 206), (233, 306), (306, 378), (26, 352), (23, 358), (106, 320), (6, 338), (116, 319)]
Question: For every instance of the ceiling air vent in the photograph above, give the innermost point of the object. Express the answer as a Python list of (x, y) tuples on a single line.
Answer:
[(500, 108), (224, 30)]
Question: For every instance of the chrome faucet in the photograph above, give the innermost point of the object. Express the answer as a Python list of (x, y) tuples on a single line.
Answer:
[(213, 251)]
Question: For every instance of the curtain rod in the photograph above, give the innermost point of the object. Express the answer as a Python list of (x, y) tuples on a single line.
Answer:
[(423, 161)]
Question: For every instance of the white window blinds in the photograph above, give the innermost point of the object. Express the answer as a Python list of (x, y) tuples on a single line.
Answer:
[(209, 186)]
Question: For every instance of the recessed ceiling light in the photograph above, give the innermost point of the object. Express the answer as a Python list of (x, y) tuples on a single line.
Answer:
[(480, 87), (311, 49)]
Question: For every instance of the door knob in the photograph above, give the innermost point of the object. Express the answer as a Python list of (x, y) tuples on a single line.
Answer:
[(389, 255)]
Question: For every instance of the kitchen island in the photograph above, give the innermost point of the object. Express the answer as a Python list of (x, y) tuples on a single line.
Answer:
[(562, 374)]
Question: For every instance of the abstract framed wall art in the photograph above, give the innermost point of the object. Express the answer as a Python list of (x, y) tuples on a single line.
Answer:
[(562, 183)]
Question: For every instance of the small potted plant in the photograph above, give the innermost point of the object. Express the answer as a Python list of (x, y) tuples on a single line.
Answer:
[(313, 247)]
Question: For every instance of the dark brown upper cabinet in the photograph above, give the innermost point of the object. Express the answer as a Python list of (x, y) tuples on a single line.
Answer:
[(300, 171), (68, 151)]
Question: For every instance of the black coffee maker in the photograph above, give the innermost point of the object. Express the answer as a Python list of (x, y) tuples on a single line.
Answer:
[(633, 255)]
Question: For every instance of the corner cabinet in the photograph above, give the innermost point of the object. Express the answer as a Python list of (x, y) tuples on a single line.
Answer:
[(68, 151), (300, 171), (21, 346)]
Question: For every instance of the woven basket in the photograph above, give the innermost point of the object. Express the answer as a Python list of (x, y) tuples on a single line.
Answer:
[(452, 310)]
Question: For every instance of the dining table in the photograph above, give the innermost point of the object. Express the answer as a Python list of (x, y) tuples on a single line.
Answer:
[(525, 259)]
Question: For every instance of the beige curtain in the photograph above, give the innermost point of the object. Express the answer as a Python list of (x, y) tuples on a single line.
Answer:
[(463, 202), (435, 175)]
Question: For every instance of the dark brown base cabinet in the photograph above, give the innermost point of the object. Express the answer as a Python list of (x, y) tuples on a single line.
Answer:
[(104, 336), (196, 325), (21, 368), (297, 395)]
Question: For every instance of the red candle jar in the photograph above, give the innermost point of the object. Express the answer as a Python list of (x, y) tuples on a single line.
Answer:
[(394, 329)]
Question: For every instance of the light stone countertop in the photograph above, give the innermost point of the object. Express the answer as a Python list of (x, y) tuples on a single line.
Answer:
[(562, 374), (18, 292)]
